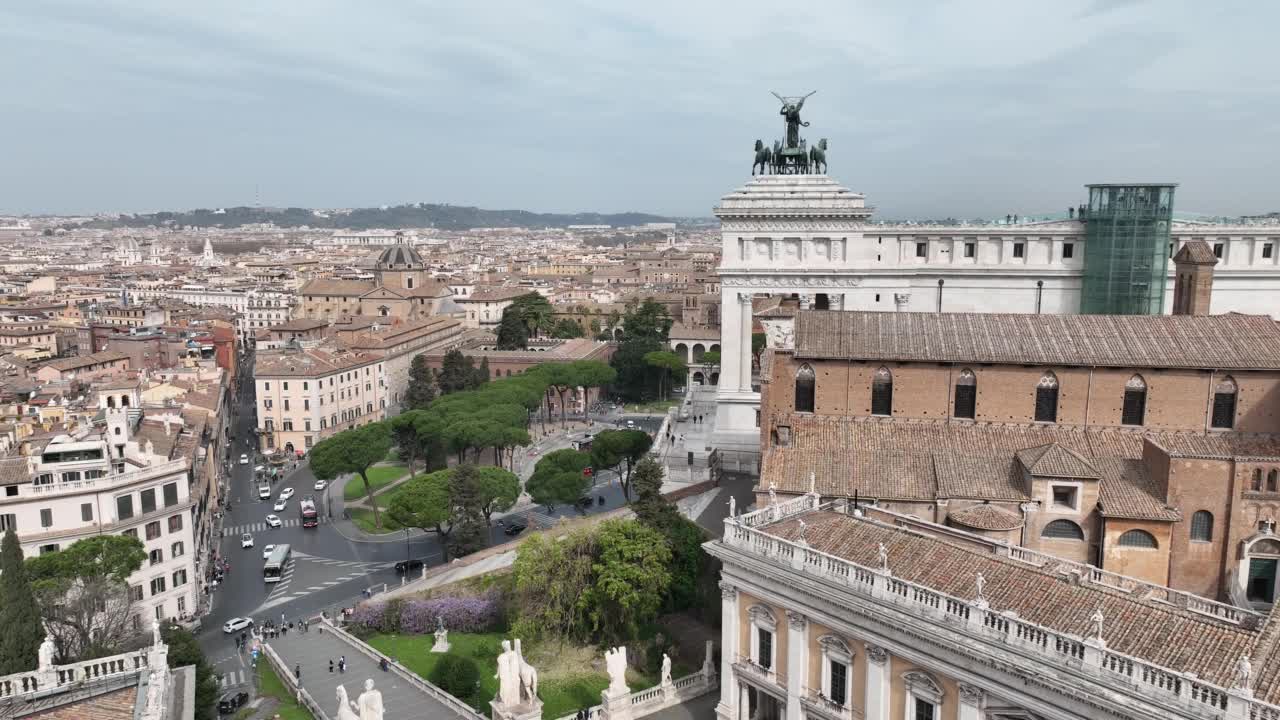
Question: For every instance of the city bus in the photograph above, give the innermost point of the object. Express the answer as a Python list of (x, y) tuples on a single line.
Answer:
[(310, 518), (273, 570)]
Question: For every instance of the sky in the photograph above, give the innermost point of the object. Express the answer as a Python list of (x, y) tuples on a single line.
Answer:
[(932, 109)]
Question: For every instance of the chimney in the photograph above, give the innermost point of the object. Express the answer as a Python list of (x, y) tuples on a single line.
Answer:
[(1193, 282)]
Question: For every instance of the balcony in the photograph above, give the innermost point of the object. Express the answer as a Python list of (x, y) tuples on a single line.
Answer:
[(108, 482), (767, 679), (816, 704)]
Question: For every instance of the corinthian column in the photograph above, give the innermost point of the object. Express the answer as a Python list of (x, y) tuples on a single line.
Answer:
[(744, 362), (877, 701), (797, 663), (970, 702), (727, 708)]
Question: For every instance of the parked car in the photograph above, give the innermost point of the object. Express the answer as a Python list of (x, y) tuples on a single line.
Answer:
[(246, 540), (236, 624), (230, 702), (267, 550), (514, 526), (273, 521), (406, 566)]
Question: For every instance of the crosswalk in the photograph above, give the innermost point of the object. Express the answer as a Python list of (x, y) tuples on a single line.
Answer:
[(371, 566), (286, 578), (254, 527), (232, 678)]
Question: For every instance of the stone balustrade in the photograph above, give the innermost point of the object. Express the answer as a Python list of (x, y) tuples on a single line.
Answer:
[(660, 697), (38, 681), (1115, 671)]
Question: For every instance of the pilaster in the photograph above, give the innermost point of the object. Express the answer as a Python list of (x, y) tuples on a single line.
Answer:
[(876, 705), (971, 697), (744, 334), (727, 708), (797, 663)]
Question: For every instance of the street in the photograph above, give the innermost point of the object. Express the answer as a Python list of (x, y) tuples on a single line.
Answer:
[(327, 569)]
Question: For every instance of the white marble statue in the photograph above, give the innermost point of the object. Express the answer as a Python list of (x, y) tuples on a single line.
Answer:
[(528, 676), (813, 483), (981, 582), (666, 669), (1244, 671), (508, 676), (773, 493), (615, 663), (733, 507), (155, 634), (883, 553), (346, 708), (370, 702), (442, 637), (47, 650), (1096, 620)]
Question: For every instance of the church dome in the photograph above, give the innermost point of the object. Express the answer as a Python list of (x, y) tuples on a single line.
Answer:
[(400, 257)]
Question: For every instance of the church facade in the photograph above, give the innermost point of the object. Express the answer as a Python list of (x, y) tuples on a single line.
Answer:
[(402, 290)]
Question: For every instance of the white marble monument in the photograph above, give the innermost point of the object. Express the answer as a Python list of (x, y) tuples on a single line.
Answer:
[(442, 637), (517, 697), (370, 702)]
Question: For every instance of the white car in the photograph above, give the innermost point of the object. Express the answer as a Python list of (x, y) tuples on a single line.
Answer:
[(267, 550), (236, 624), (321, 484), (246, 540), (273, 521), (244, 459), (286, 493), (280, 505)]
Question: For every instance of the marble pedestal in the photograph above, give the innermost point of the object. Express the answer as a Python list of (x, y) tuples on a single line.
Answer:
[(525, 711)]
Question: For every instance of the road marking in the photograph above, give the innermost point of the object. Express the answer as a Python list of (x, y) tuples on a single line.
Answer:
[(315, 587), (334, 582), (233, 678)]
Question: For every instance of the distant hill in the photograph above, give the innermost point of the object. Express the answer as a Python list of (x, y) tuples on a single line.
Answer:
[(421, 215)]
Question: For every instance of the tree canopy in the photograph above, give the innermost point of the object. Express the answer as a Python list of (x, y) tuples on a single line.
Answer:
[(646, 327), (611, 448), (670, 366), (353, 451), (421, 390), (458, 372), (184, 651), (534, 311), (513, 334), (567, 329), (423, 502), (19, 615), (631, 578), (498, 490), (557, 478)]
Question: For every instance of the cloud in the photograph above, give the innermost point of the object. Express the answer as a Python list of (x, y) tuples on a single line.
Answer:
[(932, 108)]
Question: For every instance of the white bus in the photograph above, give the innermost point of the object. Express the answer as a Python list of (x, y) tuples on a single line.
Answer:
[(273, 570)]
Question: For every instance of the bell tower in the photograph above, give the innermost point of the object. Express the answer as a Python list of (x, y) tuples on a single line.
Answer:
[(1193, 278)]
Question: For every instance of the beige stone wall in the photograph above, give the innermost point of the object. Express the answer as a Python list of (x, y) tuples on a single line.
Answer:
[(745, 628), (1212, 486), (1151, 565), (898, 690)]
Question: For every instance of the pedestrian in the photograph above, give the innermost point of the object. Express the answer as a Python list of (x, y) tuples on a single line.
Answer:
[(330, 666), (342, 664), (297, 672)]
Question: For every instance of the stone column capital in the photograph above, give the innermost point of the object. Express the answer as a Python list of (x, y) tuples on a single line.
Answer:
[(728, 591), (971, 694), (745, 298), (877, 654), (797, 621)]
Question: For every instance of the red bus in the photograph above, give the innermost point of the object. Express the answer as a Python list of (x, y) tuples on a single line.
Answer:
[(310, 518)]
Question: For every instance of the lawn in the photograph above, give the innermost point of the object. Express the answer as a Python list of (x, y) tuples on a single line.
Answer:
[(270, 685), (379, 477), (566, 680), (363, 518)]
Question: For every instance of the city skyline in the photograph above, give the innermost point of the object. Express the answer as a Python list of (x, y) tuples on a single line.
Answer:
[(974, 109)]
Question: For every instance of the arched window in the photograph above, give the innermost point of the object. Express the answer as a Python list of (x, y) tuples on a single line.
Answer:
[(1202, 526), (1138, 539), (1256, 485), (882, 392), (966, 394), (1062, 530), (1135, 401), (1047, 398), (1272, 476), (1224, 404), (806, 383), (408, 282)]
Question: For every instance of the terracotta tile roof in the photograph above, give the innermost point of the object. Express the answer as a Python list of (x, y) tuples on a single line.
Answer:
[(1196, 252), (1127, 491), (1053, 460), (1163, 635), (83, 361), (14, 471), (118, 705), (1159, 341), (980, 478), (986, 517), (341, 288)]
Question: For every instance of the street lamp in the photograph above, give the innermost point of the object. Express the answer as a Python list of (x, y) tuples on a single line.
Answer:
[(406, 551)]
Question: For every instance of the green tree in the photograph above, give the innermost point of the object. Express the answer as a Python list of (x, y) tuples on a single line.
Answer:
[(185, 651), (758, 342), (611, 448), (423, 502), (557, 478), (404, 430), (631, 576), (482, 374), (534, 311), (690, 564), (551, 578), (561, 378), (468, 511), (513, 334), (646, 327), (353, 451), (670, 365), (20, 643), (457, 373), (711, 357), (594, 374), (83, 594), (421, 390), (498, 490), (647, 320), (567, 329)]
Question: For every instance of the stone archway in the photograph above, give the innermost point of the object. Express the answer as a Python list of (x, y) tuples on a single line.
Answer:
[(683, 351), (288, 448), (715, 378), (699, 378), (698, 351)]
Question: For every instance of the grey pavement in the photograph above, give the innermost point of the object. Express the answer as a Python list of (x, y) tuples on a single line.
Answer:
[(312, 650), (702, 707)]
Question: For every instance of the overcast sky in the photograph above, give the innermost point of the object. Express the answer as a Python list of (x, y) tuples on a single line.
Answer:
[(932, 109)]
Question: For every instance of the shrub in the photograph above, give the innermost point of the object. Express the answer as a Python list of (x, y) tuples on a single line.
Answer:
[(461, 614), (456, 675), (371, 616)]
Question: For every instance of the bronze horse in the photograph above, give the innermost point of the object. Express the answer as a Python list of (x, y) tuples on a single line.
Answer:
[(818, 156), (764, 159)]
